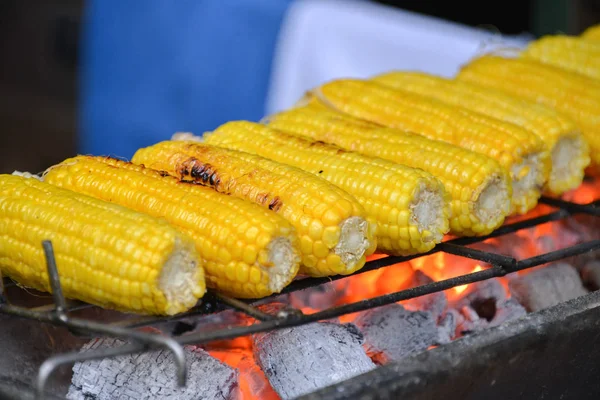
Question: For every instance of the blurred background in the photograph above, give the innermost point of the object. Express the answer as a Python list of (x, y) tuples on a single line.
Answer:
[(55, 66)]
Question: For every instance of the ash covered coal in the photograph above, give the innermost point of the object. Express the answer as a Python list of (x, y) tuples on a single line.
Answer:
[(484, 305), (150, 375), (547, 286), (392, 332), (590, 274), (305, 358), (435, 303)]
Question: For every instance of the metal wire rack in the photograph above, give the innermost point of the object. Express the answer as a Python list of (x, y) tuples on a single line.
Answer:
[(59, 313)]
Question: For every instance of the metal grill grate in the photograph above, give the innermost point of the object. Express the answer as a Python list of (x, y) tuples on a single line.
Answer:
[(59, 312)]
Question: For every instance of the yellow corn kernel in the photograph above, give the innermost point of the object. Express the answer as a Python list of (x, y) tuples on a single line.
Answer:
[(382, 187), (513, 147), (217, 223), (569, 152), (592, 33), (568, 52), (99, 248), (292, 193), (576, 96), (479, 187)]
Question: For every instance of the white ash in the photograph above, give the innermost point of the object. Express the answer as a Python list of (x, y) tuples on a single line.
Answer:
[(484, 305), (474, 320), (590, 274), (391, 332), (302, 359), (150, 375), (481, 291), (435, 303), (547, 286)]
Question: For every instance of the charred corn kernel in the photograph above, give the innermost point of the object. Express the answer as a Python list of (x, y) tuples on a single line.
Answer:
[(100, 249), (292, 193), (567, 52), (592, 33), (479, 187), (218, 224), (569, 152), (513, 147), (382, 187), (576, 96)]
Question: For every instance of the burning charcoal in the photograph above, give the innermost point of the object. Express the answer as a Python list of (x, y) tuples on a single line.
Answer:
[(305, 358), (479, 292), (149, 375), (318, 297), (590, 274), (435, 303), (484, 305), (488, 315), (447, 325), (392, 332), (546, 287)]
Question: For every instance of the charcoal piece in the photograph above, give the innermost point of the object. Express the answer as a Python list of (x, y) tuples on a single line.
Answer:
[(448, 324), (590, 274), (490, 290), (435, 303), (391, 332), (25, 344), (547, 286), (477, 316), (150, 375), (302, 359)]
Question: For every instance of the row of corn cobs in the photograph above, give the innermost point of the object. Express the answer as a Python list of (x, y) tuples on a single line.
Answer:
[(391, 164)]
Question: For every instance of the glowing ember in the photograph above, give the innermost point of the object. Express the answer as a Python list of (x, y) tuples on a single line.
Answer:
[(462, 288)]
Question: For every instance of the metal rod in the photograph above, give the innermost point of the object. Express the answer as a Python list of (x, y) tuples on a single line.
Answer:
[(2, 298), (57, 293), (545, 258), (490, 258), (590, 209), (245, 307)]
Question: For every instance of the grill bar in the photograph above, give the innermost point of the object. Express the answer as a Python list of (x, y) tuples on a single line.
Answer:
[(58, 313)]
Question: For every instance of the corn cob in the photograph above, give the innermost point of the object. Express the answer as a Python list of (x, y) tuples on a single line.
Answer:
[(567, 52), (106, 254), (576, 96), (334, 235), (521, 152), (409, 205), (568, 149), (479, 187), (592, 33), (247, 251)]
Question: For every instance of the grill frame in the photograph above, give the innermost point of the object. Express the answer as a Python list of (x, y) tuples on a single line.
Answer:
[(58, 312)]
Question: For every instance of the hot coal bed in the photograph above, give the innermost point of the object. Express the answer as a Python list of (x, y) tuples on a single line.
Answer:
[(515, 314)]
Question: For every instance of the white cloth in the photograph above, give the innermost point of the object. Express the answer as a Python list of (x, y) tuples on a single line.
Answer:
[(322, 40)]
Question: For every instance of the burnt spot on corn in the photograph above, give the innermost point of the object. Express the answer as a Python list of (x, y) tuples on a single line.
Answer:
[(202, 173), (265, 199), (275, 204), (163, 173)]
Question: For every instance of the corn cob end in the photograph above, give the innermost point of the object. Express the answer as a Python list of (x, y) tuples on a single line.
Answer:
[(570, 156), (181, 279)]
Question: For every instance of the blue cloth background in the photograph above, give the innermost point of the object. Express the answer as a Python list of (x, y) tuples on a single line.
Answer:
[(153, 67)]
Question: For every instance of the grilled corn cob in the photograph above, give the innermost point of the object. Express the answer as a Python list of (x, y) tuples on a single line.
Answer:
[(105, 254), (334, 235), (408, 205), (247, 251), (479, 187), (592, 33), (574, 95), (568, 149), (567, 52), (521, 152)]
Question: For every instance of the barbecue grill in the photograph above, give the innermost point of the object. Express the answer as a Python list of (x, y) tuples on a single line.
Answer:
[(564, 333)]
